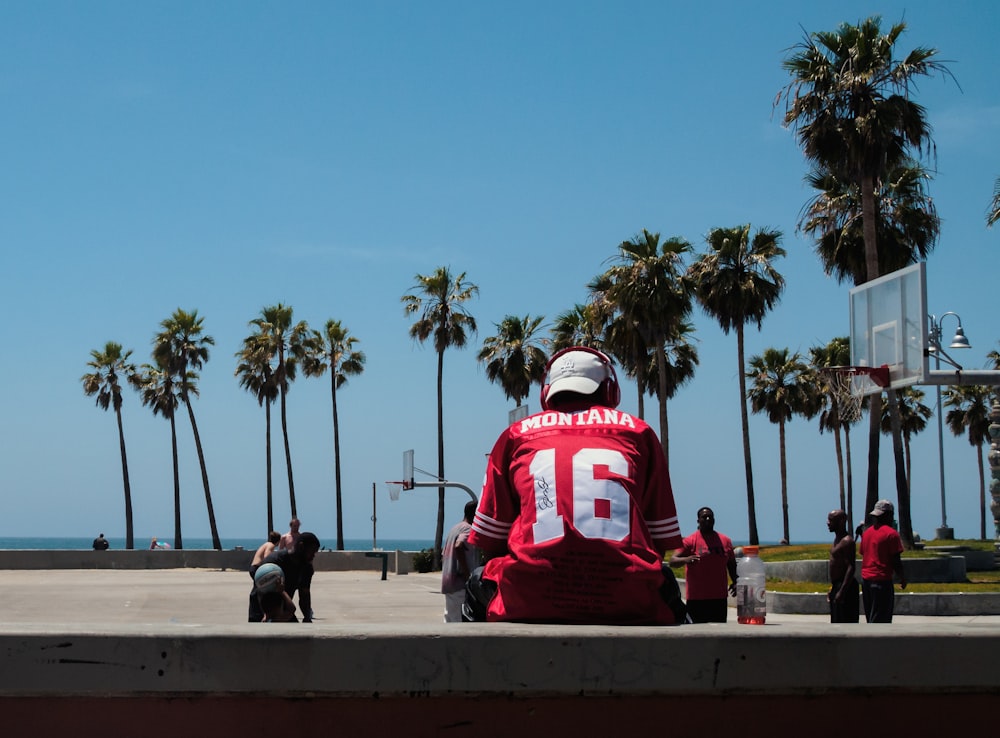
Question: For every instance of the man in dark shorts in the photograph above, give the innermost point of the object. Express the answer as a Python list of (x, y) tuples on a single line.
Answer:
[(101, 543), (880, 559), (709, 570), (296, 564), (843, 596)]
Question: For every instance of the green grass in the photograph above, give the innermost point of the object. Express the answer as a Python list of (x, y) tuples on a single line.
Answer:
[(978, 581)]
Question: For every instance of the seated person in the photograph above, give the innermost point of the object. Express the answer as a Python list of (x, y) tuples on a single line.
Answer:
[(577, 511)]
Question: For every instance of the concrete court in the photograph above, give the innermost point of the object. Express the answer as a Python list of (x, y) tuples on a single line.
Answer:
[(106, 598)]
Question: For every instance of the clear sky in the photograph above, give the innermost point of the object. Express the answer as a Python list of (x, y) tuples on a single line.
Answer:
[(225, 156)]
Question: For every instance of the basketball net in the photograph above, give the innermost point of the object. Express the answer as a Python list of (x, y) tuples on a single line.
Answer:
[(849, 385), (394, 489)]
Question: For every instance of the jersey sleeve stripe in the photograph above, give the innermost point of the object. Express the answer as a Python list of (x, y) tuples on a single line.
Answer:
[(487, 526), (666, 528)]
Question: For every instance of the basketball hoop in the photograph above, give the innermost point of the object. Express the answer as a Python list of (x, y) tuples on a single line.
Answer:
[(849, 385), (394, 489)]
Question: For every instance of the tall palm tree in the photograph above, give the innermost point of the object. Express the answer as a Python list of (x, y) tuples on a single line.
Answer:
[(515, 357), (160, 393), (736, 283), (970, 414), (913, 416), (646, 285), (334, 349), (439, 298), (849, 102), (109, 365), (285, 343), (183, 349), (782, 388), (256, 376)]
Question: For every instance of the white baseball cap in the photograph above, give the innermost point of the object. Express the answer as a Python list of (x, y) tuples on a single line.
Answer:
[(576, 371)]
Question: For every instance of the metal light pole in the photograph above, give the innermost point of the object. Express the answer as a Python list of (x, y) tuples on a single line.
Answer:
[(959, 341)]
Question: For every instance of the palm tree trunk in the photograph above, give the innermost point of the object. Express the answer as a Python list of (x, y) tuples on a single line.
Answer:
[(129, 541), (288, 456), (902, 488), (439, 530), (745, 420), (661, 387), (216, 542), (840, 464), (267, 453), (874, 434), (982, 494), (784, 480), (336, 460), (178, 541)]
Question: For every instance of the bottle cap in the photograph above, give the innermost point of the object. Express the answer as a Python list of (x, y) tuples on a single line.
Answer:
[(751, 550)]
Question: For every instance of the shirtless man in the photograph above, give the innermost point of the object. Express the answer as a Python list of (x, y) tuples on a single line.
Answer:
[(290, 538), (843, 596), (265, 550)]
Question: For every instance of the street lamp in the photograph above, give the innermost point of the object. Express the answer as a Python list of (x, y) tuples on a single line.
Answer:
[(959, 341)]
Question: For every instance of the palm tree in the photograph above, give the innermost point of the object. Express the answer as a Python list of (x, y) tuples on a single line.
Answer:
[(108, 366), (284, 342), (971, 414), (849, 101), (993, 214), (907, 223), (833, 415), (514, 357), (333, 349), (160, 393), (782, 388), (256, 376), (646, 287), (913, 416), (183, 349), (578, 326), (736, 283), (439, 298)]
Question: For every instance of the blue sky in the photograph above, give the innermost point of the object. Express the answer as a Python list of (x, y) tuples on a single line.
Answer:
[(230, 155)]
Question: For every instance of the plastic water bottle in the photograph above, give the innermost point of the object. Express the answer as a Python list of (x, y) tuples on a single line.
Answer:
[(751, 597)]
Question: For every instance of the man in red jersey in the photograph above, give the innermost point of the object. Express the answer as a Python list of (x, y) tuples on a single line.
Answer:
[(880, 559), (710, 570), (577, 510)]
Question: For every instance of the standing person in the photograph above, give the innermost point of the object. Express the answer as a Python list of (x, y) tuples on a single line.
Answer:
[(881, 547), (290, 538), (264, 550), (297, 567), (577, 510), (709, 563), (458, 560), (843, 596), (101, 543)]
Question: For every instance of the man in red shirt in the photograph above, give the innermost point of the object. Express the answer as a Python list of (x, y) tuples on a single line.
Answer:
[(707, 557), (880, 550), (577, 510)]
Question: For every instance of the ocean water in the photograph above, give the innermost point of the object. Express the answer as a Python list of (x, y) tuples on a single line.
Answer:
[(28, 543)]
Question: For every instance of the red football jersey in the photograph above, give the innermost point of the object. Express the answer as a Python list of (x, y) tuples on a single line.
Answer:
[(580, 505)]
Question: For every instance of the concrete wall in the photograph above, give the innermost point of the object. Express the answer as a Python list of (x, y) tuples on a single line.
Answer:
[(937, 569), (397, 562), (496, 680), (905, 603)]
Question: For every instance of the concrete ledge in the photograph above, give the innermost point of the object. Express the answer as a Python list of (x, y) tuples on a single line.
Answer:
[(906, 603), (490, 679), (938, 569), (398, 562)]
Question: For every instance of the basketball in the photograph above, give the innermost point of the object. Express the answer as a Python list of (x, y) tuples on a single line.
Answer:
[(269, 578)]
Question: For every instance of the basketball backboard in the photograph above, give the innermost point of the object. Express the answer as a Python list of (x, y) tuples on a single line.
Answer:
[(889, 325), (408, 469)]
